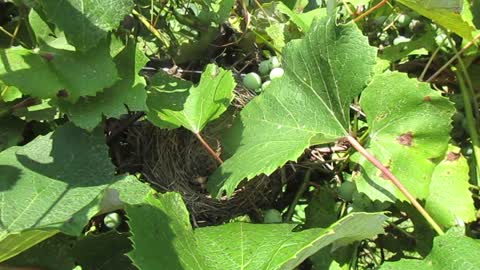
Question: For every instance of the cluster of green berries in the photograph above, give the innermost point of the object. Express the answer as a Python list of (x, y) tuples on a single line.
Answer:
[(270, 67)]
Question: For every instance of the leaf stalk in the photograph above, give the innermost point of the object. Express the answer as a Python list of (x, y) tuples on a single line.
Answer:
[(355, 144), (208, 148)]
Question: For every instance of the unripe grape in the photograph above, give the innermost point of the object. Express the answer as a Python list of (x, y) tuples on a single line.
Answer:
[(272, 216), (276, 73), (252, 81), (264, 67), (274, 62), (112, 220)]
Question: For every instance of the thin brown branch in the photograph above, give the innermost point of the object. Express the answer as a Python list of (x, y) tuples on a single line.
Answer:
[(368, 12), (457, 55)]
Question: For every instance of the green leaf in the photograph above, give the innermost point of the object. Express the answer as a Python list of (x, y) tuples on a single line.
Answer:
[(409, 133), (174, 102), (9, 93), (128, 190), (450, 251), (276, 246), (104, 252), (39, 112), (321, 211), (442, 15), (53, 182), (100, 252), (86, 22), (450, 201), (56, 67), (14, 244), (216, 11), (129, 92), (308, 105), (11, 131), (42, 30), (162, 235)]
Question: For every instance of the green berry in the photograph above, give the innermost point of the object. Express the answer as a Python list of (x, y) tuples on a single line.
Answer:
[(252, 81), (276, 73), (272, 216), (112, 220), (264, 67), (416, 26), (403, 20), (274, 62), (265, 84), (400, 39), (346, 190)]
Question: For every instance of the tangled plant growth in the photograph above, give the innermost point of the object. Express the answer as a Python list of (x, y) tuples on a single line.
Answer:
[(228, 134)]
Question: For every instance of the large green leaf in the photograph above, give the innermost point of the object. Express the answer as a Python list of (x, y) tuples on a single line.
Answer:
[(409, 133), (11, 131), (128, 92), (53, 182), (439, 12), (309, 105), (276, 246), (449, 200), (162, 236), (16, 243), (105, 251), (56, 67), (174, 102), (86, 22), (450, 251)]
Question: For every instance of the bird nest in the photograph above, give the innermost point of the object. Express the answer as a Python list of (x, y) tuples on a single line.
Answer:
[(174, 160)]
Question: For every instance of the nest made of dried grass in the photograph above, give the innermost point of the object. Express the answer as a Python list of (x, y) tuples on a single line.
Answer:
[(174, 160)]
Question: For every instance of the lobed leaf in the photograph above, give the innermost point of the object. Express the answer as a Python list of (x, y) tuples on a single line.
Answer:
[(52, 183), (56, 69), (450, 200), (162, 237), (453, 250), (174, 102), (409, 127), (86, 22), (309, 105), (127, 93)]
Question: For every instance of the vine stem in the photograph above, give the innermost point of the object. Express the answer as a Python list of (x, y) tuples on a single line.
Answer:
[(457, 55), (151, 28), (396, 182), (208, 148), (366, 13), (298, 194)]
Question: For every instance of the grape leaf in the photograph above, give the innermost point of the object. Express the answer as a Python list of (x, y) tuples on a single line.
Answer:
[(174, 102), (450, 251), (276, 246), (16, 243), (441, 15), (450, 200), (86, 22), (56, 67), (9, 93), (53, 182), (308, 105), (113, 102), (409, 133), (216, 11), (100, 252), (11, 131), (162, 236)]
